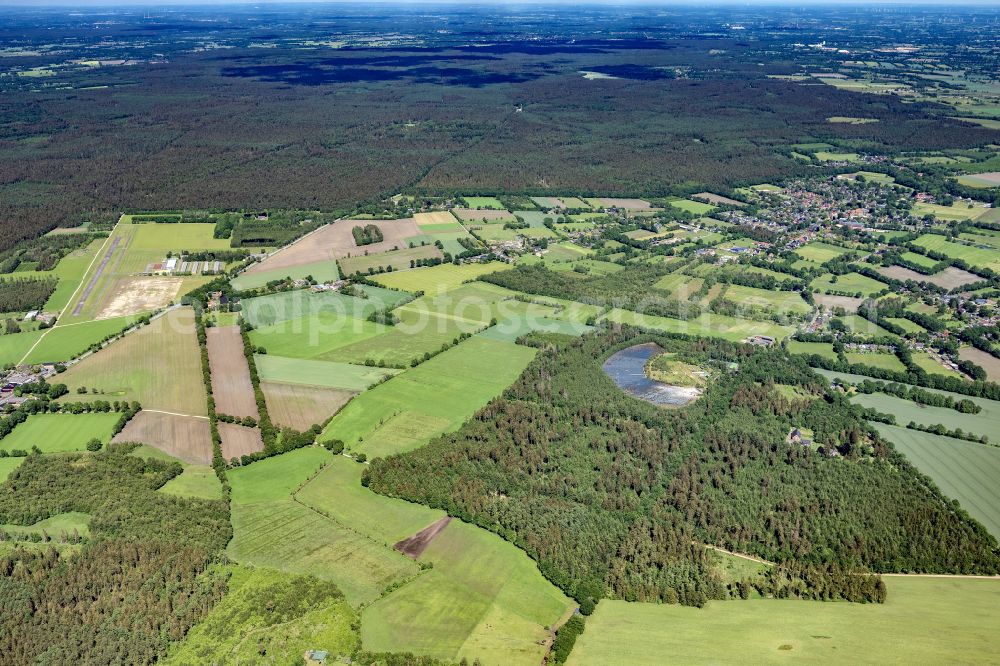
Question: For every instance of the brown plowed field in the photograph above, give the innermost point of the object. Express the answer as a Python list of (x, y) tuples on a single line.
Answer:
[(335, 241), (231, 386), (300, 407), (849, 303), (239, 440), (415, 545), (185, 437), (949, 278)]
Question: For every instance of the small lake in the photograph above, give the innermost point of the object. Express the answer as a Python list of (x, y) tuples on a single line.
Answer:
[(628, 370)]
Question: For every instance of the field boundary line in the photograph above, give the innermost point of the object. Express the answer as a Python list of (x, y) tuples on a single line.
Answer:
[(73, 295), (160, 411)]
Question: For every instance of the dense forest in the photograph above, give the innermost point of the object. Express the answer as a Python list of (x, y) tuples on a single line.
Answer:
[(611, 495), (289, 128), (133, 586)]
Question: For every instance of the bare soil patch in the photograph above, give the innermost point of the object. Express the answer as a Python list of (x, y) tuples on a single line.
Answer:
[(949, 278), (988, 362), (185, 437), (485, 215), (849, 303), (231, 385), (335, 241), (415, 545), (239, 440), (300, 407), (140, 294)]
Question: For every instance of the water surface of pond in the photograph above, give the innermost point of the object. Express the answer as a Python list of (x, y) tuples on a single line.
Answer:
[(628, 370)]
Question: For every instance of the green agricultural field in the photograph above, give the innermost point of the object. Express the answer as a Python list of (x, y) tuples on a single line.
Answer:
[(484, 202), (437, 279), (906, 629), (861, 326), (919, 259), (923, 360), (399, 259), (824, 349), (262, 607), (953, 213), (326, 374), (708, 325), (270, 529), (820, 252), (883, 360), (57, 433), (510, 330), (774, 300), (975, 256), (7, 467), (679, 285), (330, 306), (828, 156), (484, 598), (566, 251), (62, 343), (337, 492), (910, 327), (199, 481), (696, 207), (321, 271), (986, 422), (434, 397), (14, 346), (850, 283), (158, 365), (416, 334), (313, 337), (965, 471), (70, 271)]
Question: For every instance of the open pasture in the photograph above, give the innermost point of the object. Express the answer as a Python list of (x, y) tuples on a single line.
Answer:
[(70, 271), (266, 311), (301, 407), (198, 481), (271, 529), (321, 374), (399, 260), (924, 620), (436, 396), (7, 467), (716, 199), (484, 598), (485, 216), (824, 349), (776, 301), (186, 438), (62, 343), (883, 360), (625, 204), (949, 278), (820, 252), (483, 202), (975, 256), (419, 331), (986, 422), (159, 365), (335, 241), (231, 386), (438, 279), (238, 440), (690, 206), (337, 492), (57, 433), (963, 470), (708, 325), (956, 212), (321, 271), (313, 337), (984, 180), (849, 303), (13, 346), (851, 283)]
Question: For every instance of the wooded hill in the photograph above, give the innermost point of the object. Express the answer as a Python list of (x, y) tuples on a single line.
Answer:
[(612, 495)]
